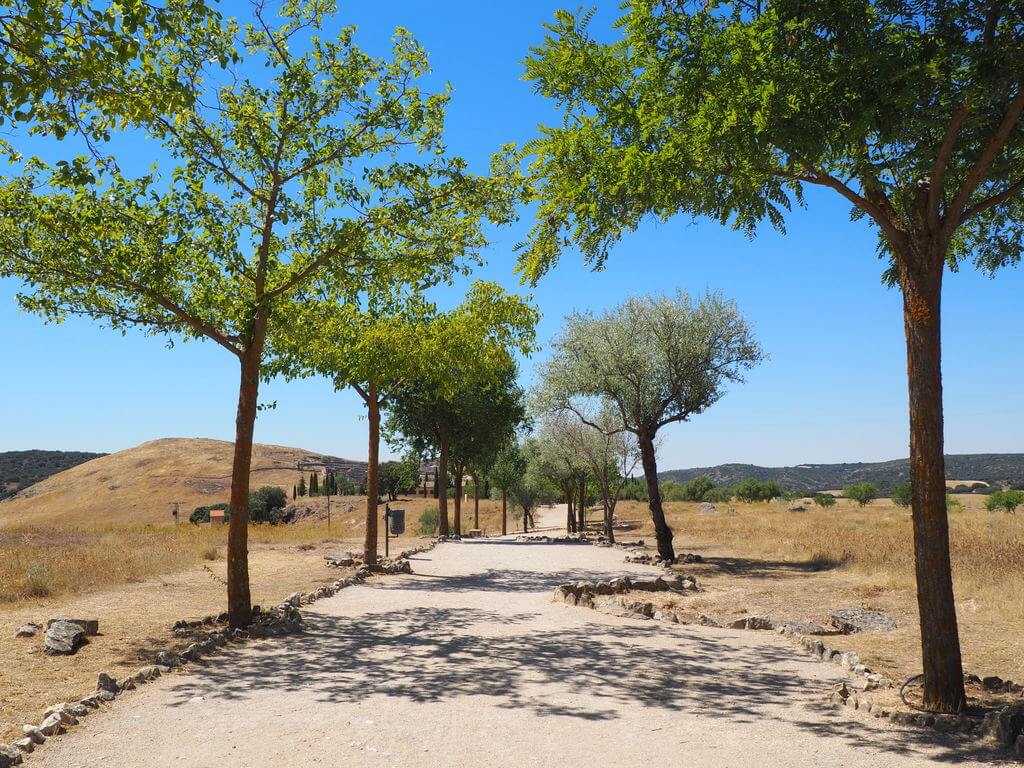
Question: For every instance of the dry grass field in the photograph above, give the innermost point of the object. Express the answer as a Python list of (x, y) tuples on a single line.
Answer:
[(763, 559)]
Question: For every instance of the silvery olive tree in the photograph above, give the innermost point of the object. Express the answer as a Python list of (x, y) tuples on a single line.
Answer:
[(656, 360)]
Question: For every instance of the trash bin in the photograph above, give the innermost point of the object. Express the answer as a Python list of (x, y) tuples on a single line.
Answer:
[(397, 518)]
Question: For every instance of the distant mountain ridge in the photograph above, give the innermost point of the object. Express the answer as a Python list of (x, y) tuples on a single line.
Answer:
[(20, 469), (1003, 469)]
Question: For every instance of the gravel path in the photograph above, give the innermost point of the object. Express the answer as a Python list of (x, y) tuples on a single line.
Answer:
[(468, 663)]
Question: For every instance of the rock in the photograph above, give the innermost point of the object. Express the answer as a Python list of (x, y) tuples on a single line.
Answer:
[(63, 712), (707, 508), (993, 683), (1004, 725), (850, 620), (752, 622), (33, 732), (105, 682), (688, 558), (63, 638), (105, 695), (805, 628), (28, 630), (91, 627), (24, 744), (797, 508), (294, 599), (168, 659), (52, 725), (707, 621), (9, 757)]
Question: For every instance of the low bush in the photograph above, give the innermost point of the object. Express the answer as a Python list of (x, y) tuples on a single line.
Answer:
[(862, 493), (824, 500), (37, 579), (1008, 501), (902, 494), (429, 521), (719, 495)]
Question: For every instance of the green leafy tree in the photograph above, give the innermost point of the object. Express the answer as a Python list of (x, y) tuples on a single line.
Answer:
[(267, 504), (757, 490), (89, 67), (533, 488), (862, 493), (470, 353), (902, 494), (283, 178), (696, 489), (1007, 501), (508, 467), (824, 500), (719, 495), (657, 360), (398, 477), (731, 110)]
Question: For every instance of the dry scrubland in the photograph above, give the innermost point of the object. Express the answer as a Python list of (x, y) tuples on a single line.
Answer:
[(45, 561), (762, 558)]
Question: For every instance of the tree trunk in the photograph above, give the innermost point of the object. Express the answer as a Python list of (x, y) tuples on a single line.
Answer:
[(441, 487), (476, 502), (581, 508), (921, 281), (526, 520), (570, 509), (239, 599), (458, 500), (609, 516), (662, 532), (372, 482), (504, 512)]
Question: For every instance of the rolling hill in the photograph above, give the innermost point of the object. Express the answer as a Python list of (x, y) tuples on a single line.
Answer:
[(138, 485), (993, 468)]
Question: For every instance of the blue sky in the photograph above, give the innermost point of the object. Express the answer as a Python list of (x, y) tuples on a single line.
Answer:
[(834, 388)]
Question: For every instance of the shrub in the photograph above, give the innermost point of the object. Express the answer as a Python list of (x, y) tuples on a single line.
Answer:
[(673, 491), (757, 490), (696, 489), (862, 493), (953, 504), (209, 553), (719, 495), (429, 520), (1004, 500), (824, 500), (902, 494), (267, 504), (37, 577), (202, 514)]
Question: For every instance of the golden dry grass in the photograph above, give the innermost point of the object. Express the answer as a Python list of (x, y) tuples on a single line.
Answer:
[(799, 565), (43, 560)]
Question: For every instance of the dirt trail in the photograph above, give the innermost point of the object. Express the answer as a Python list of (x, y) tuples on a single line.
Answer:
[(469, 663)]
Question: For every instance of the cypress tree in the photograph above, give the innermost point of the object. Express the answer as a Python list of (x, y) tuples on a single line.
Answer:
[(302, 486)]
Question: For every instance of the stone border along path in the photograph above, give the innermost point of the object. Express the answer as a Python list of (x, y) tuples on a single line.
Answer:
[(468, 662), (1003, 728), (282, 620)]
